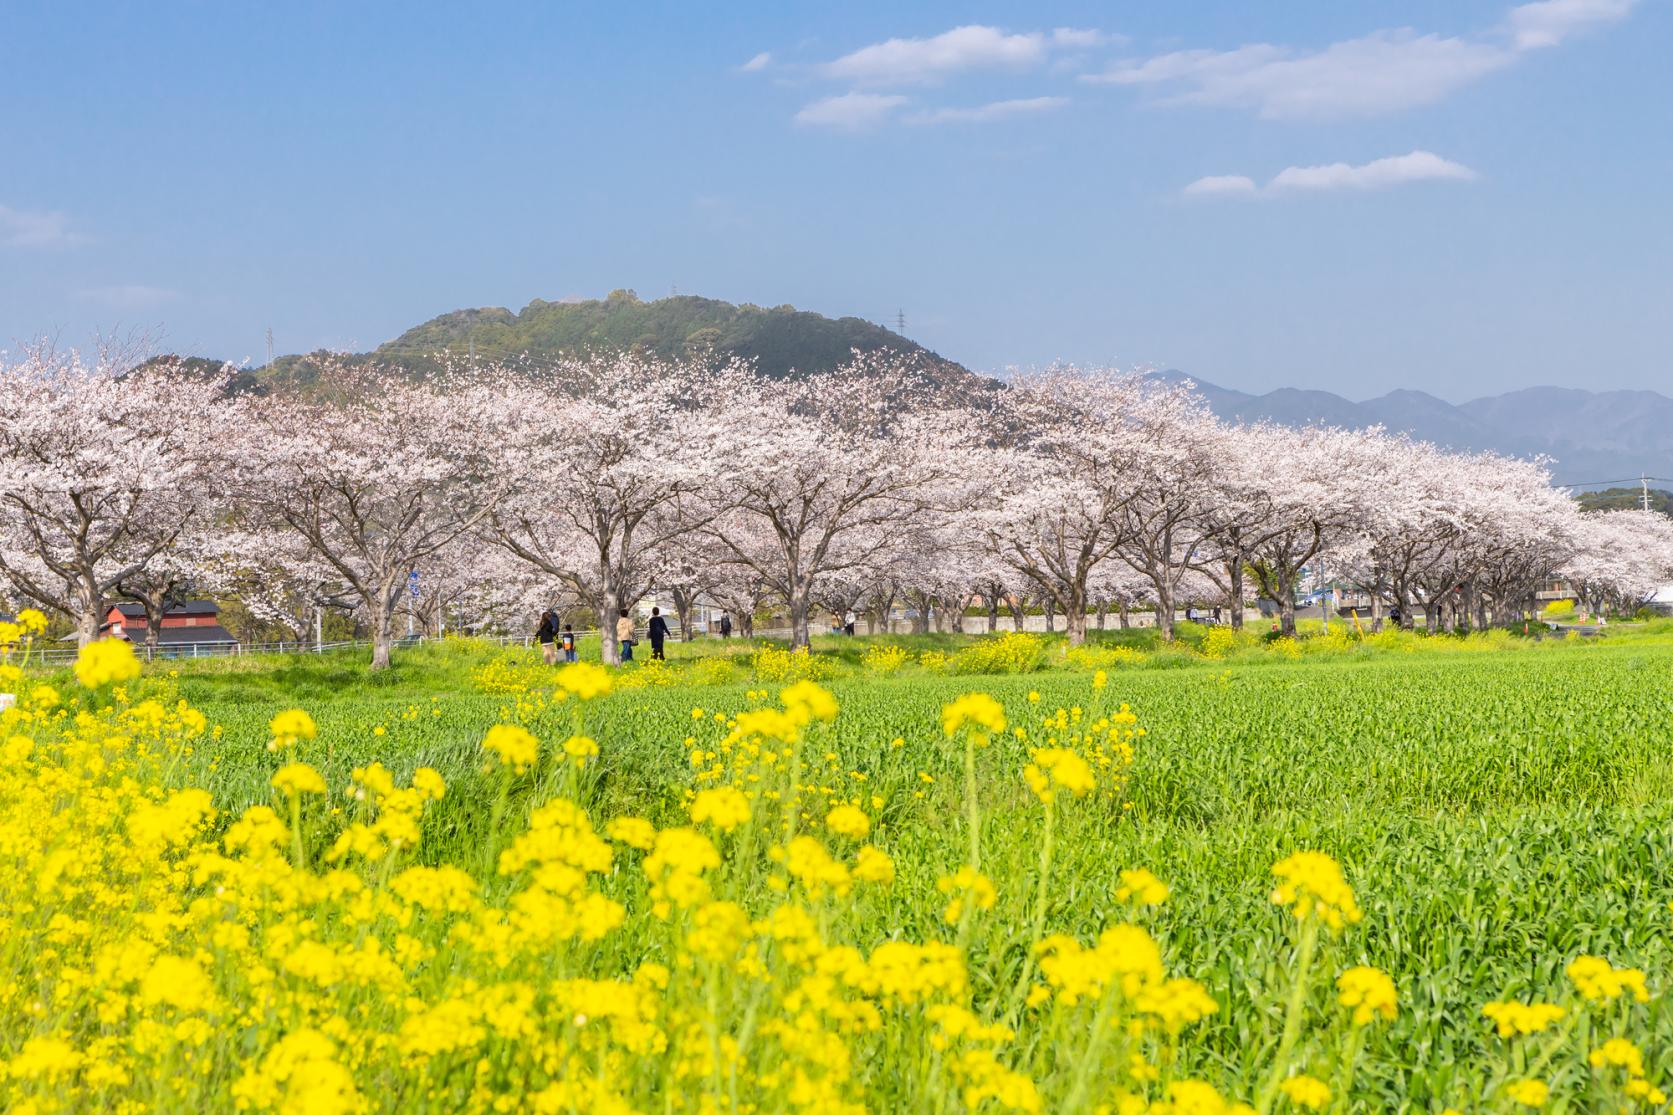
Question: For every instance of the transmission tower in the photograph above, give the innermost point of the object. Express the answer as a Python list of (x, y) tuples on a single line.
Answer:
[(900, 322)]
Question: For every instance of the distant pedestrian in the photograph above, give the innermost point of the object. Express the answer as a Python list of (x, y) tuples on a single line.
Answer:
[(659, 633), (726, 625), (848, 622), (624, 636), (567, 641), (545, 634)]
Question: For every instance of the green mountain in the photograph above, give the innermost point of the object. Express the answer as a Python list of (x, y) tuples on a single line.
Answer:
[(1616, 499), (782, 341)]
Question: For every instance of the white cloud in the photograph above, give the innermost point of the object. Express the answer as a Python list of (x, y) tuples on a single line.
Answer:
[(1418, 166), (910, 61), (1382, 72), (22, 228), (1222, 185), (974, 47), (1396, 170), (131, 297), (759, 62), (983, 114), (1385, 71), (850, 111), (1549, 22)]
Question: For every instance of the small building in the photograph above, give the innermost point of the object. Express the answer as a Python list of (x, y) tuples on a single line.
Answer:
[(194, 624)]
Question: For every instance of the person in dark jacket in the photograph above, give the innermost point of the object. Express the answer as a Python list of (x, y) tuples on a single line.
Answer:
[(658, 632), (726, 626), (546, 634), (567, 642)]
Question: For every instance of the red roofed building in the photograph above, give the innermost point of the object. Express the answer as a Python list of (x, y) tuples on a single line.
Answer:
[(194, 623)]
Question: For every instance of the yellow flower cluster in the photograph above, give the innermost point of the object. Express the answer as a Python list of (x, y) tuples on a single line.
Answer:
[(1521, 1019), (515, 747), (1311, 886), (1369, 993), (105, 662), (1598, 980)]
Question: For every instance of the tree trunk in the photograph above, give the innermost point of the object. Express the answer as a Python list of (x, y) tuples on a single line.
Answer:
[(382, 621), (1164, 609), (1234, 574), (993, 614), (609, 610), (1075, 624), (1126, 615), (1376, 613), (684, 603), (87, 626), (1018, 612), (800, 604), (1103, 615), (1286, 602)]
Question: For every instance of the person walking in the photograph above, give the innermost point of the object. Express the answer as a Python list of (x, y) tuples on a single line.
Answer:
[(849, 619), (624, 636), (726, 625), (567, 643), (545, 634), (659, 633)]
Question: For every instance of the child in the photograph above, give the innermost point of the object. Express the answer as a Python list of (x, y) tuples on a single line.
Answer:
[(568, 643)]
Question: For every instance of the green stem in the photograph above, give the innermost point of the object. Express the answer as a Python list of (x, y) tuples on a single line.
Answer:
[(1041, 894), (1094, 1047), (1345, 1076), (1292, 1016), (296, 829), (970, 800)]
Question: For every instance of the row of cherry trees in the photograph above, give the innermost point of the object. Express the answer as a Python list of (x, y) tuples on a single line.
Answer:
[(592, 483)]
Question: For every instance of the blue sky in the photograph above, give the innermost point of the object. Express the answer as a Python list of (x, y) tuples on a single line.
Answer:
[(1459, 197)]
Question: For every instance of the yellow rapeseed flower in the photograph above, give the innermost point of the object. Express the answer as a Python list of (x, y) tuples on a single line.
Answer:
[(585, 680), (1598, 980), (298, 778), (106, 661), (290, 728), (1310, 885), (846, 820), (1140, 888), (1307, 1092), (807, 701), (580, 749), (978, 710), (514, 746), (724, 807), (1521, 1019), (1528, 1093), (1369, 993)]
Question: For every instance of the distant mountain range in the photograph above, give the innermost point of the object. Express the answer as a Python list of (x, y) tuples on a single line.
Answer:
[(1594, 437)]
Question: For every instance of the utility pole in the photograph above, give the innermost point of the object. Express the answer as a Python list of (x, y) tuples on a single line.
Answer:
[(269, 346), (1644, 479)]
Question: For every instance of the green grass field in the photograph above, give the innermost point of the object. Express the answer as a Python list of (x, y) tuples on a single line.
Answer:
[(1499, 807)]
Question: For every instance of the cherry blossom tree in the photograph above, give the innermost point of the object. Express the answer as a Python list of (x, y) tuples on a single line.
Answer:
[(1066, 472), (828, 466), (1620, 558), (606, 484), (374, 473), (102, 469)]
